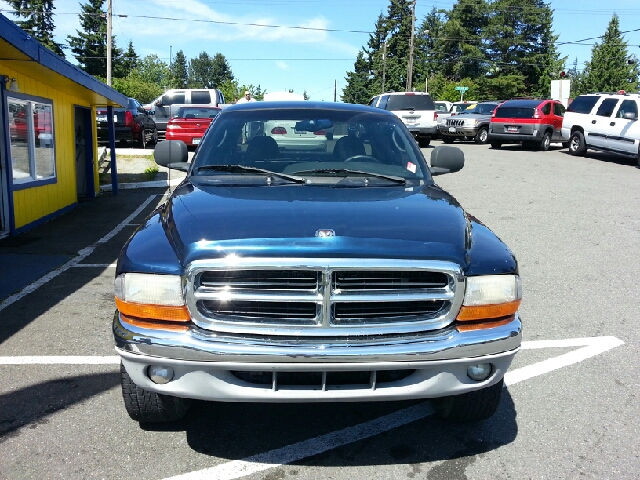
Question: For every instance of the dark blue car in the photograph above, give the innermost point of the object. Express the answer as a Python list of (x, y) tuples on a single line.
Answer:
[(278, 274)]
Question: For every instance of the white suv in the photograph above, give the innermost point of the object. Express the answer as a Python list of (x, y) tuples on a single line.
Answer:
[(604, 121), (416, 110)]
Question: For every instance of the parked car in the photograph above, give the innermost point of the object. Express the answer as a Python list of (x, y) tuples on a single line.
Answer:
[(190, 123), (604, 121), (416, 110), (132, 125), (313, 276), (456, 107), (470, 124), (163, 108), (288, 136), (534, 123), (442, 106), (43, 134)]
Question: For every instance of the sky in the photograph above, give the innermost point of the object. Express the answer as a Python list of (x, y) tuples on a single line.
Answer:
[(301, 44)]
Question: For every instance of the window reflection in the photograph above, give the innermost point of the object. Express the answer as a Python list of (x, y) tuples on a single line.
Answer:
[(31, 140)]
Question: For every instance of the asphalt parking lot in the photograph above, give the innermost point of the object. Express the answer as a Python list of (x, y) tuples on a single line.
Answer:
[(570, 408)]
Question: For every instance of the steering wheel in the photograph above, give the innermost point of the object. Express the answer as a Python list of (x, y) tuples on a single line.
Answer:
[(362, 158)]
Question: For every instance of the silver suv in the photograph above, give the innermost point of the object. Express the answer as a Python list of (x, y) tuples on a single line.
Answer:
[(472, 123), (416, 110), (604, 121)]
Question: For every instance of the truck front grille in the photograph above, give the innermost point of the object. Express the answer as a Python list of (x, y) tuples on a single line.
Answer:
[(323, 297), (455, 122)]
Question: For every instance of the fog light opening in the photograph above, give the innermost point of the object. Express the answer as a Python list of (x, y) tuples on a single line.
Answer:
[(479, 372), (159, 374)]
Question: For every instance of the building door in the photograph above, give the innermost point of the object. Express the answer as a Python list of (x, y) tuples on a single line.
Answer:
[(84, 153)]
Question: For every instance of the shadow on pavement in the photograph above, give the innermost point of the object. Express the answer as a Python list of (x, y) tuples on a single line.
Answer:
[(239, 430), (33, 404)]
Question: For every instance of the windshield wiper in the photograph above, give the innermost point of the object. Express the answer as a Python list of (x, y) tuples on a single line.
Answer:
[(244, 169), (347, 171)]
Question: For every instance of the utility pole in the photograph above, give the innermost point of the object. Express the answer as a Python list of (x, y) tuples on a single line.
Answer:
[(410, 62), (384, 63), (335, 90), (170, 54), (109, 42)]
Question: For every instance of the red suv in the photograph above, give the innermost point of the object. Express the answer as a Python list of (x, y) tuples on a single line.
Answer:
[(534, 123)]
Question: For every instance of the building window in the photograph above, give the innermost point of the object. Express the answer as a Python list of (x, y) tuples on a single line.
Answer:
[(33, 158)]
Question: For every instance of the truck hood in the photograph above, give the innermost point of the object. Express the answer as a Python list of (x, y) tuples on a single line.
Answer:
[(201, 222)]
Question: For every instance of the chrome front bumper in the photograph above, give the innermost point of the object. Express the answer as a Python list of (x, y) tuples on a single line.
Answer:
[(203, 362)]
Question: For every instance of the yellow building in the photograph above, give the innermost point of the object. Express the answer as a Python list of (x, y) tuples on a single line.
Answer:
[(48, 155)]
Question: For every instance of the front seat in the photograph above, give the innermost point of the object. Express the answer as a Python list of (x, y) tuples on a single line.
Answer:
[(347, 147), (262, 148)]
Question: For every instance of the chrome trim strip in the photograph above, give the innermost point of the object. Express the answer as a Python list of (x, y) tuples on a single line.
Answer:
[(324, 297), (199, 345)]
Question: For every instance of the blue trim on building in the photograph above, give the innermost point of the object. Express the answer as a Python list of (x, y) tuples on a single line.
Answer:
[(7, 168), (29, 46), (34, 183), (46, 218)]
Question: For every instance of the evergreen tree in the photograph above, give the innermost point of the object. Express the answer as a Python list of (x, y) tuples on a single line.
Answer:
[(128, 62), (460, 48), (179, 76), (89, 47), (521, 45), (221, 71), (39, 21), (428, 59), (397, 30), (610, 69), (201, 71), (358, 89)]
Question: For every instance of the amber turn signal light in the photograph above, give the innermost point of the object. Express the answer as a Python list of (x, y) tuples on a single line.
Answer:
[(155, 312), (485, 312)]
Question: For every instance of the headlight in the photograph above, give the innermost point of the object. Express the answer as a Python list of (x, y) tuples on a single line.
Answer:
[(491, 296), (151, 296)]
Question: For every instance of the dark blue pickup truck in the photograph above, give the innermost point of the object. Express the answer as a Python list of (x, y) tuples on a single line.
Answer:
[(282, 274)]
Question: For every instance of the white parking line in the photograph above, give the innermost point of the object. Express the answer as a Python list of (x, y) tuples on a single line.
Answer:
[(314, 446), (590, 347), (82, 254), (61, 360)]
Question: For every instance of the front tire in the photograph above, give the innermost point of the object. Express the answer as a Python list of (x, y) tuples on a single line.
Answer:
[(545, 143), (150, 407), (142, 141), (447, 139), (496, 145), (424, 142), (577, 145), (471, 406), (482, 136)]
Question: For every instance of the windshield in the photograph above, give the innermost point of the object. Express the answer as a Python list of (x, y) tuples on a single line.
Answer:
[(481, 109), (310, 144)]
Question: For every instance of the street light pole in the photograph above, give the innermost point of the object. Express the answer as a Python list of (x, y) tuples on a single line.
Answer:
[(410, 62), (109, 43)]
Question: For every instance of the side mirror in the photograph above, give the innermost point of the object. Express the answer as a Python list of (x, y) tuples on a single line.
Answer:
[(446, 160), (630, 116), (172, 154)]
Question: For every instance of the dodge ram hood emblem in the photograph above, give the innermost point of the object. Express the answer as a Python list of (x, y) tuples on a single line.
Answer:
[(325, 232)]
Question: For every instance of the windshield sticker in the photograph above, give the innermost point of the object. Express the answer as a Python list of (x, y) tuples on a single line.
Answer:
[(411, 167)]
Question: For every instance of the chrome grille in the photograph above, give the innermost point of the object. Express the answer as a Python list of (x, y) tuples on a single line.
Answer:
[(323, 297), (347, 281), (455, 122)]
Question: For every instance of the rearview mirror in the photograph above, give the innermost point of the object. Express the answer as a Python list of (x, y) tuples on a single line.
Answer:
[(313, 125)]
